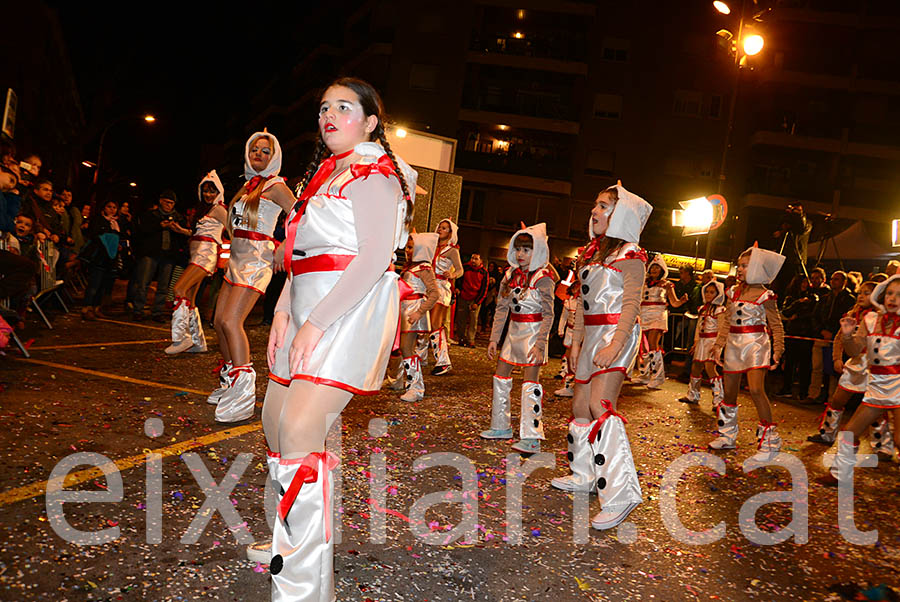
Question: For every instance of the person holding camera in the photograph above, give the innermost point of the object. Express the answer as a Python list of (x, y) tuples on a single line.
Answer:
[(794, 236), (159, 235)]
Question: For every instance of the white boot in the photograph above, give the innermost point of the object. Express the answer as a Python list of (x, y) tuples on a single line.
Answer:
[(302, 564), (415, 382), (769, 442), (843, 461), (422, 346), (441, 349), (882, 438), (568, 389), (829, 423), (181, 335), (657, 370), (239, 401), (693, 394), (718, 390), (500, 421), (224, 383), (728, 427), (617, 480), (531, 427), (198, 337), (643, 376), (581, 460), (261, 551), (398, 382)]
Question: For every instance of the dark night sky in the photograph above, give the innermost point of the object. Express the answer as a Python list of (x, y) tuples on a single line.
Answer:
[(189, 65)]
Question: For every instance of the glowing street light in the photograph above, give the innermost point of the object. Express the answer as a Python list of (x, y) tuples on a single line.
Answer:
[(753, 44), (895, 233), (518, 35), (149, 118), (401, 133), (88, 164), (133, 184), (722, 7), (695, 216)]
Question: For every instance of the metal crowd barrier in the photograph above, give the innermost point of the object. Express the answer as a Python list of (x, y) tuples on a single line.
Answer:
[(48, 285), (680, 337)]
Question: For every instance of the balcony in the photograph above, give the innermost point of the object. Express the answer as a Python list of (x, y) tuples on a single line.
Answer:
[(552, 168), (560, 46)]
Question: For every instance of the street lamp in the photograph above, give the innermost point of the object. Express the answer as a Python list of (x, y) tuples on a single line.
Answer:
[(149, 118), (695, 216), (751, 45), (132, 184)]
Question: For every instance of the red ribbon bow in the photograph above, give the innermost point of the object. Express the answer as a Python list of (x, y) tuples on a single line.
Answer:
[(518, 278), (592, 247), (384, 166), (256, 181), (609, 413), (308, 473), (326, 168)]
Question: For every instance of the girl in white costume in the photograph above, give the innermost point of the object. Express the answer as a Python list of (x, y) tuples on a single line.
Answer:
[(414, 318), (658, 293), (526, 297), (877, 336), (750, 313), (187, 332), (335, 323), (447, 268), (253, 213), (604, 348), (704, 341)]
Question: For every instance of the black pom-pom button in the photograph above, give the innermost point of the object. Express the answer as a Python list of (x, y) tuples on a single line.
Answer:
[(276, 565)]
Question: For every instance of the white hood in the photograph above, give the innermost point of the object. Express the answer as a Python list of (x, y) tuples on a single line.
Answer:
[(720, 291), (454, 229), (764, 265), (212, 177), (658, 260), (628, 218), (541, 255), (274, 165), (424, 246), (879, 290)]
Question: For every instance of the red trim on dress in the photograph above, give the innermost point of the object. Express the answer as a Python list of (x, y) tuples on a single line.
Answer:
[(526, 317), (607, 370), (252, 288), (333, 383), (252, 235), (277, 379), (601, 319)]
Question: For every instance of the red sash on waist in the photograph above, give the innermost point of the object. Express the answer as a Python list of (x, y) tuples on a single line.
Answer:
[(527, 317), (894, 369), (652, 303), (441, 277), (747, 329), (601, 319), (202, 239), (252, 235), (414, 296), (321, 263), (708, 335)]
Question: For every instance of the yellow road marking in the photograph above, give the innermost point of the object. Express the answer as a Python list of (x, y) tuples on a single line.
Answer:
[(135, 324), (82, 345), (74, 478), (127, 379)]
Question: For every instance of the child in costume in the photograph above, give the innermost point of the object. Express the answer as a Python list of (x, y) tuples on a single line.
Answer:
[(335, 323), (252, 214), (704, 340), (414, 318), (447, 268), (604, 348), (187, 332), (877, 336), (658, 293), (750, 312), (853, 381), (566, 328), (526, 297)]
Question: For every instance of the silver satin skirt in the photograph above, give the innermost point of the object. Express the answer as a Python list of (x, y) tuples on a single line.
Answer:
[(520, 338), (854, 376), (422, 325), (446, 292), (747, 351), (655, 317), (250, 264), (353, 352), (598, 337), (882, 391), (204, 255), (703, 349)]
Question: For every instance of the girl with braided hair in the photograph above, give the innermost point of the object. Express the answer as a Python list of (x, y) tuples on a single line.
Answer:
[(335, 324), (252, 215)]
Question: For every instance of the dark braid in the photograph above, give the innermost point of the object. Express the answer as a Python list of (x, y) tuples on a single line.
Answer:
[(321, 152), (410, 203)]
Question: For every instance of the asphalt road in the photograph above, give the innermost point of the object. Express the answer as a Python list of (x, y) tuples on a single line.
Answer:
[(98, 396)]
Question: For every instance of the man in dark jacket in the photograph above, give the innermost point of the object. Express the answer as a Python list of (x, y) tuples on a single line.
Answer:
[(827, 316), (471, 293), (159, 235)]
